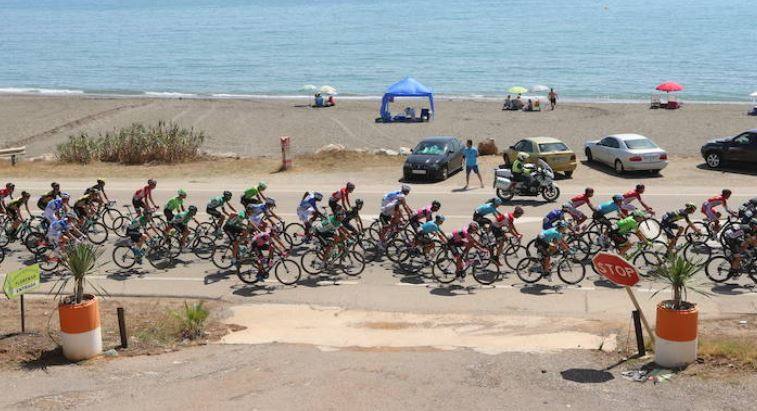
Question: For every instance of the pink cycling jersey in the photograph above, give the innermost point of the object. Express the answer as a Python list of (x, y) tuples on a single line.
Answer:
[(579, 200), (261, 239), (631, 195), (460, 235), (714, 201), (424, 212), (143, 192)]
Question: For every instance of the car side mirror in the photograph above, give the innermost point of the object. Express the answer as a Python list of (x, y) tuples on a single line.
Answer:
[(512, 147)]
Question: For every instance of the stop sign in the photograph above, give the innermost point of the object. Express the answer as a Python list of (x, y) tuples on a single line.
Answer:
[(615, 269)]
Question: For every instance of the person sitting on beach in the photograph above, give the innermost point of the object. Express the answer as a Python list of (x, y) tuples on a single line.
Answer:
[(410, 112), (508, 103), (318, 100), (330, 102), (518, 103), (537, 104), (529, 106)]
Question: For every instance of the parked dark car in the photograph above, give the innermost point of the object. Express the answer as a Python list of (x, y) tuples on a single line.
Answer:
[(741, 148), (435, 158)]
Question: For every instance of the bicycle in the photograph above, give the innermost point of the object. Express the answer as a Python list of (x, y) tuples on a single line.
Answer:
[(252, 268), (569, 269), (154, 251), (483, 268), (720, 269), (108, 214), (350, 261)]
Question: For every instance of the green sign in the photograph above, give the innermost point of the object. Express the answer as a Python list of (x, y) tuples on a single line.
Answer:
[(21, 281)]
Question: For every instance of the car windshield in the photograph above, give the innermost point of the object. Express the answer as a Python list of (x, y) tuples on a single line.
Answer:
[(640, 143), (430, 148), (552, 147)]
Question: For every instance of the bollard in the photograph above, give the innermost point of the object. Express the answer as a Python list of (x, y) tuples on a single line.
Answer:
[(639, 333), (122, 327)]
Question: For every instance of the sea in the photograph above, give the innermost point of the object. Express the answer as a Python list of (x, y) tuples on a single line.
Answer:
[(611, 50)]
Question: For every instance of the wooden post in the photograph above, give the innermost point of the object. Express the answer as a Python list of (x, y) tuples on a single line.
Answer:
[(641, 313), (13, 160), (122, 327), (23, 316)]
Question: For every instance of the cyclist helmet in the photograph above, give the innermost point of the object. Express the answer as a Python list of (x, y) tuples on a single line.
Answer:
[(565, 207), (561, 225), (192, 209), (436, 205), (497, 202), (691, 207), (262, 186), (318, 196), (10, 186), (100, 182), (518, 211), (64, 196), (439, 219), (405, 189), (227, 195), (752, 200), (589, 191), (358, 204), (640, 187), (522, 156), (182, 192), (270, 202), (639, 214), (340, 215), (54, 185), (617, 198), (25, 194), (473, 226), (250, 207), (726, 193), (152, 183), (350, 186)]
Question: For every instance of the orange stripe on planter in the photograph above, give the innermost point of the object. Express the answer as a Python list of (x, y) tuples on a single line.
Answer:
[(674, 325), (81, 318)]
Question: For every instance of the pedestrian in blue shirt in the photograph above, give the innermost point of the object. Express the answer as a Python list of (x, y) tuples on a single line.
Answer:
[(471, 163)]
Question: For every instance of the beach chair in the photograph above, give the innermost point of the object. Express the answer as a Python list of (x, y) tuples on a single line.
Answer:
[(655, 101)]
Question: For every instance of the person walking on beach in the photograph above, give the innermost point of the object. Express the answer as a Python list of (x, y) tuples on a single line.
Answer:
[(552, 98), (471, 163)]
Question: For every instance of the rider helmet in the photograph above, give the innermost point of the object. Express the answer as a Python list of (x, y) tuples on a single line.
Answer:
[(152, 183), (227, 195), (358, 204), (690, 207), (439, 219), (726, 193), (54, 185), (340, 215), (561, 225), (318, 196), (405, 189), (25, 194), (436, 205), (617, 198), (473, 226), (350, 186), (250, 207), (100, 182), (270, 202), (518, 211), (10, 186), (497, 202), (640, 188), (589, 191), (192, 209), (64, 196), (182, 192), (522, 156), (262, 186)]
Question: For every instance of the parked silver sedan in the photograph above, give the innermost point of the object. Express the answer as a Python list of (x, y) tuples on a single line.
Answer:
[(627, 152)]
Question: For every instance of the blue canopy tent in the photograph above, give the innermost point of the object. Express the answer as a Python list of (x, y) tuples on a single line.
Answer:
[(408, 87)]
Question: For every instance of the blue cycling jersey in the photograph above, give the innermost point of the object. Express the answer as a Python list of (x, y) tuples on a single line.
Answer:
[(552, 217), (308, 202), (607, 208), (551, 235), (486, 209), (429, 227)]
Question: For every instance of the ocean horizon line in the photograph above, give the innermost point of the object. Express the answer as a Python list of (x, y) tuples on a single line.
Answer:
[(43, 91)]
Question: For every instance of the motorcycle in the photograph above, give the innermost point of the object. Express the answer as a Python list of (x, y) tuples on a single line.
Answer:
[(542, 182)]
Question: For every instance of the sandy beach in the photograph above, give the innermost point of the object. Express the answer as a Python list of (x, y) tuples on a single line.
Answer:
[(252, 127)]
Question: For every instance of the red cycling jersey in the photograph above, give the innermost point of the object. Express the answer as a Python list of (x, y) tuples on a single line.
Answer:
[(714, 201), (5, 192), (424, 212), (340, 194), (143, 192), (579, 200), (503, 220)]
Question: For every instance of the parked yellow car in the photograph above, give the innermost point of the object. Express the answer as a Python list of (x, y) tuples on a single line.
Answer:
[(556, 153)]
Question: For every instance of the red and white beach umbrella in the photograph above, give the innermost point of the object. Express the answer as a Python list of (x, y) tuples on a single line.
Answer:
[(669, 86)]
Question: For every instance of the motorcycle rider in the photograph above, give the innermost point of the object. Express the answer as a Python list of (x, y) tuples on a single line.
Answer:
[(521, 173)]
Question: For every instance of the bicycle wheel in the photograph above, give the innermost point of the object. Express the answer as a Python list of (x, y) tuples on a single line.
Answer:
[(529, 270), (374, 229), (33, 241), (718, 269), (287, 272), (173, 245), (513, 254), (295, 234), (697, 252), (394, 249), (47, 263), (203, 247), (531, 248), (312, 263), (123, 256), (158, 256), (487, 272), (444, 269), (646, 262), (4, 228), (352, 263), (571, 272), (206, 228), (371, 251), (704, 231), (111, 218), (96, 232), (582, 249), (119, 226), (222, 257), (247, 271), (650, 228)]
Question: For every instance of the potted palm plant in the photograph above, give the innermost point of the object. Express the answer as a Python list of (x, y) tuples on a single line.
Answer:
[(79, 313), (677, 319)]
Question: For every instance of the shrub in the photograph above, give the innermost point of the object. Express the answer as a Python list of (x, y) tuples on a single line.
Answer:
[(136, 144), (192, 320)]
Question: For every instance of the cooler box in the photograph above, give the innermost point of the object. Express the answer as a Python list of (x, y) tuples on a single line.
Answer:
[(503, 172), (502, 183)]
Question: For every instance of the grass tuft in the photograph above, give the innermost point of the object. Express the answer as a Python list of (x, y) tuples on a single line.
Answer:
[(740, 350)]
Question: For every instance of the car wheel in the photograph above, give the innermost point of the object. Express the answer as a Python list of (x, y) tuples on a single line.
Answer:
[(619, 167), (589, 157), (713, 160), (654, 172), (444, 173), (568, 174)]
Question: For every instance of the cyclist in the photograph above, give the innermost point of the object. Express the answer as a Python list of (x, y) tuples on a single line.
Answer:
[(600, 215), (329, 231), (99, 189), (307, 211), (50, 195), (13, 209), (546, 243), (261, 242), (672, 230), (392, 206), (461, 241), (505, 223), (708, 208), (341, 197), (520, 171), (254, 195), (6, 192), (56, 208), (485, 209), (624, 227), (143, 197), (428, 230), (738, 238), (263, 211), (58, 233), (632, 195), (137, 231), (425, 213), (175, 204), (553, 217), (181, 220), (83, 206), (220, 201), (578, 201), (236, 227), (354, 214)]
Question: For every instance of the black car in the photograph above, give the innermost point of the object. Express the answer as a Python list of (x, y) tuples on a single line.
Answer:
[(739, 149), (434, 157)]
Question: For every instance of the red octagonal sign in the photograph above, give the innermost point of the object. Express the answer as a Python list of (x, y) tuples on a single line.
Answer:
[(615, 269)]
